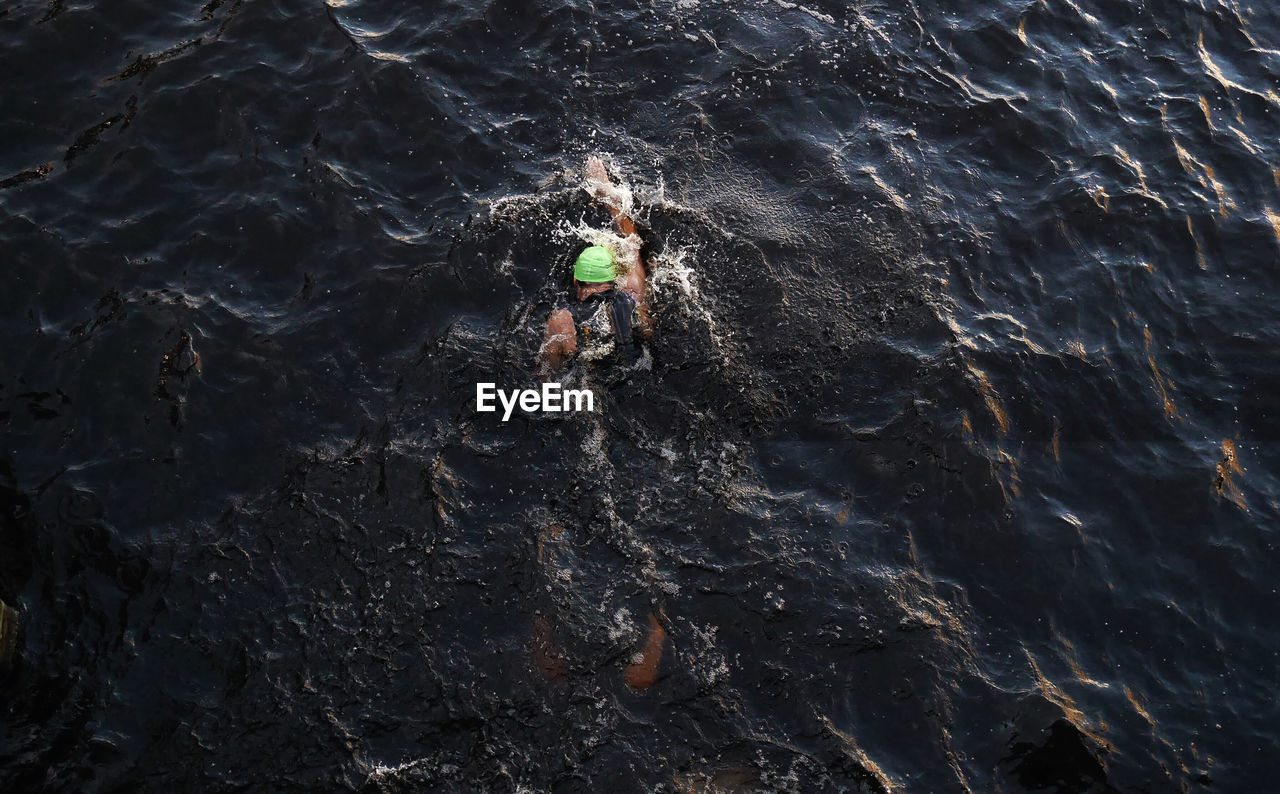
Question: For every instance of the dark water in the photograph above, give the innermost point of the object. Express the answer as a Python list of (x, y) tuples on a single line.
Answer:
[(954, 470)]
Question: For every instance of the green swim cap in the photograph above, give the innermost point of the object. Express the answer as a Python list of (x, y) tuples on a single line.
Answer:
[(594, 265)]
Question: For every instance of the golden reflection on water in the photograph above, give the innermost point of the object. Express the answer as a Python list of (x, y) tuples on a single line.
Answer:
[(1004, 468), (1163, 384), (1189, 164), (1137, 706), (1101, 198), (1204, 265), (1069, 656), (1204, 108), (1219, 190), (1275, 221), (1227, 469), (1061, 699), (991, 398)]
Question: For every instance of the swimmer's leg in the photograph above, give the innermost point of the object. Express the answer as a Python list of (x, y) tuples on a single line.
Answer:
[(643, 673), (547, 658)]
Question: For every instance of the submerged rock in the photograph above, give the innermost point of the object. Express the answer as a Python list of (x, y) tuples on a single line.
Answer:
[(1062, 758)]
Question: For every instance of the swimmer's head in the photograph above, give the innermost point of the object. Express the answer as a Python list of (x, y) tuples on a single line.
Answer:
[(595, 265)]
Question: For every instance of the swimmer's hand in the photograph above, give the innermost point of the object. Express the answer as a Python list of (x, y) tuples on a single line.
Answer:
[(596, 172), (600, 186)]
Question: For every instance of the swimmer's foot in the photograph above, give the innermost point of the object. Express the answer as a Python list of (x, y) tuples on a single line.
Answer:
[(546, 656), (643, 673)]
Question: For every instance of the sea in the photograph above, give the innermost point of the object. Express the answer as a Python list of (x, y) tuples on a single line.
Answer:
[(951, 465)]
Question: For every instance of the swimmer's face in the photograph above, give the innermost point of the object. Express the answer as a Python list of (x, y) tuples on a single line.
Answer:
[(586, 289)]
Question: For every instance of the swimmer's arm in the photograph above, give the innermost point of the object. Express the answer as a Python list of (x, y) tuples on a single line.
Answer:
[(597, 173), (646, 327), (561, 342), (634, 285), (625, 225)]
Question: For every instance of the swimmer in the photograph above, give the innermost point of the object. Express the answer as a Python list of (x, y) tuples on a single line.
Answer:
[(606, 311), (604, 318)]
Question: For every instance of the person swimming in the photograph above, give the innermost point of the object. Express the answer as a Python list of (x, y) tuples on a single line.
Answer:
[(601, 323), (608, 316)]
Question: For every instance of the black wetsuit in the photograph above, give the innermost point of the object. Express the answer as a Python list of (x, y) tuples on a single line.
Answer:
[(608, 329)]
